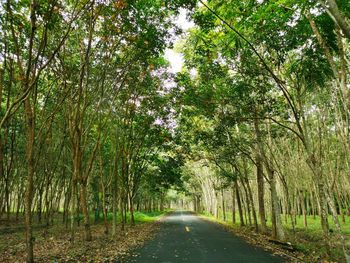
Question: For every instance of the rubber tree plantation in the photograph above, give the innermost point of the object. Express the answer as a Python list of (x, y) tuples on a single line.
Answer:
[(101, 139)]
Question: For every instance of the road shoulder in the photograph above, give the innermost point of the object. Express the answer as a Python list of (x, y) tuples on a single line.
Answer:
[(256, 239)]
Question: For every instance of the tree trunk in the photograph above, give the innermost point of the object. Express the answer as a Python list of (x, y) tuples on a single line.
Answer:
[(114, 211), (7, 195), (277, 228), (247, 203), (303, 207), (131, 208), (67, 199), (239, 204), (260, 178), (30, 178), (161, 202), (233, 206), (334, 13), (223, 205), (84, 206), (39, 208), (73, 200), (251, 200), (122, 212), (105, 210), (323, 208), (2, 175)]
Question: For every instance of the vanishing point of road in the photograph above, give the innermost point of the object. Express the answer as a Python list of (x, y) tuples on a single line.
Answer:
[(184, 237)]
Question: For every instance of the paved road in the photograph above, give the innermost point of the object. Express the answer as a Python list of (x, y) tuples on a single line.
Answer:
[(186, 238)]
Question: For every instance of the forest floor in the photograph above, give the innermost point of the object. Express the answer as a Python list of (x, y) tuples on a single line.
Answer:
[(52, 243), (307, 245)]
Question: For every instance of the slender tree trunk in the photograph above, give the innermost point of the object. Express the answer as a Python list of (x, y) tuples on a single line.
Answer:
[(233, 205), (67, 200), (114, 211), (195, 204), (103, 186), (313, 204), (251, 200), (277, 228), (131, 208), (30, 178), (239, 204), (105, 210), (303, 207), (122, 210), (341, 207), (161, 202), (39, 208), (260, 178), (115, 173), (223, 205), (7, 196), (18, 207), (72, 210), (84, 206), (247, 203), (2, 175), (216, 213)]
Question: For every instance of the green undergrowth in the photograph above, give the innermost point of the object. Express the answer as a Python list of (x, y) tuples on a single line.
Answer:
[(141, 216), (313, 223), (308, 240)]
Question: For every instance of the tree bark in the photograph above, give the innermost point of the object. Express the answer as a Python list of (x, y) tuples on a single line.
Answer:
[(251, 200), (277, 228), (84, 206), (334, 12), (260, 178), (73, 200), (30, 178), (239, 204), (233, 205), (223, 205)]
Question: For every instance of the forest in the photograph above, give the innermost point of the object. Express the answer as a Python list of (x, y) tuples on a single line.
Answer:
[(99, 138)]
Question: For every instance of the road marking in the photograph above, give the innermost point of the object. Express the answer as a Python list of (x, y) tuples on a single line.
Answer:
[(187, 228)]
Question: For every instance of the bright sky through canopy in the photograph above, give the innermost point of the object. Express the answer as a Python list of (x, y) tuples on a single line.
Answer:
[(175, 58)]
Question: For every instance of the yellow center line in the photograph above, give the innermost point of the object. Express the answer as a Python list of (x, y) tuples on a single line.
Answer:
[(187, 229)]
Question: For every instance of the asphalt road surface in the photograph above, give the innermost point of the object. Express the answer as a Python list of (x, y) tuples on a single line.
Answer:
[(184, 237)]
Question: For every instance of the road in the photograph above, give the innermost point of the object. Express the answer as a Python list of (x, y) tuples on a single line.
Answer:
[(184, 237)]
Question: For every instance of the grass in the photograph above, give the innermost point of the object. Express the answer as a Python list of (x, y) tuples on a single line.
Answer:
[(149, 216), (141, 216), (309, 240), (313, 223)]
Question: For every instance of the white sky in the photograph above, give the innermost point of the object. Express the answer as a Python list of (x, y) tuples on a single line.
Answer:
[(175, 58)]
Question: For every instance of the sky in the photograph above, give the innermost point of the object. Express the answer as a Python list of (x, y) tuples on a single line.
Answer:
[(175, 58)]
